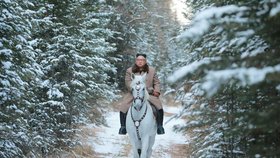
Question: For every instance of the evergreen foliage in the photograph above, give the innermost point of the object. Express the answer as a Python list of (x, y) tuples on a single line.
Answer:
[(231, 78), (57, 63), (148, 29), (60, 58)]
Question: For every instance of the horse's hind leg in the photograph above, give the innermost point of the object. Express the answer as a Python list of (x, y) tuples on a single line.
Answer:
[(139, 152)]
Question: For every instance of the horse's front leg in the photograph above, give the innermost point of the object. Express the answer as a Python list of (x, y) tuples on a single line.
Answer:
[(135, 153), (145, 147), (151, 143), (135, 147)]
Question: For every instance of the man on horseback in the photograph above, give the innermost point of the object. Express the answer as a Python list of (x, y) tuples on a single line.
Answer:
[(153, 87)]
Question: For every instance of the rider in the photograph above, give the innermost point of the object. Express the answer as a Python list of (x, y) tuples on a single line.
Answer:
[(153, 87)]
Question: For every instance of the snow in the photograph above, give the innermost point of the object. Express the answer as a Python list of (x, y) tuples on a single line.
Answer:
[(215, 78), (22, 39), (7, 1), (46, 83), (108, 142), (275, 10), (201, 22), (33, 42), (190, 68), (254, 52), (278, 88), (258, 156), (102, 1), (6, 65), (179, 7), (248, 32), (197, 29), (6, 52), (77, 82), (7, 14), (56, 103), (246, 76), (19, 111), (54, 92)]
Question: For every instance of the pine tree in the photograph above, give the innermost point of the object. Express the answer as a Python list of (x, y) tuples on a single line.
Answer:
[(19, 75), (76, 67), (234, 77), (56, 66)]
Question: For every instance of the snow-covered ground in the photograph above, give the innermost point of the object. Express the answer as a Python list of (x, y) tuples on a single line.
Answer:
[(107, 143)]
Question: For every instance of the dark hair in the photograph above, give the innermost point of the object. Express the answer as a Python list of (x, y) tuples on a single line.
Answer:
[(136, 69), (139, 54)]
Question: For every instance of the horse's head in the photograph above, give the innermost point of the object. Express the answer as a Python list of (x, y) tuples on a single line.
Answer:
[(138, 90)]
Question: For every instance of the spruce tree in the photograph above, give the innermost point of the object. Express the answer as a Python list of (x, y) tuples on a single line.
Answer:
[(233, 73)]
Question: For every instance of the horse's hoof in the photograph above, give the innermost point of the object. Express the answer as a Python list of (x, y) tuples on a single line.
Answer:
[(122, 131), (160, 130)]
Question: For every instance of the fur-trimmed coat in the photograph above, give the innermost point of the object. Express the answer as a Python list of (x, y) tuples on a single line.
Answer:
[(152, 84)]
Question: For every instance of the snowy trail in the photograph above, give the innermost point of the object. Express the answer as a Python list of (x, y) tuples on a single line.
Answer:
[(107, 143)]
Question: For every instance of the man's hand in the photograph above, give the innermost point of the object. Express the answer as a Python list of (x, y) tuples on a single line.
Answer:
[(156, 94)]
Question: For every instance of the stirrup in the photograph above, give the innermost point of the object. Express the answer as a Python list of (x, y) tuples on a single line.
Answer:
[(122, 130), (160, 130)]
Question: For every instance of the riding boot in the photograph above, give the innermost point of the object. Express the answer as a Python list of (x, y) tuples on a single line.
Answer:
[(122, 130), (160, 129)]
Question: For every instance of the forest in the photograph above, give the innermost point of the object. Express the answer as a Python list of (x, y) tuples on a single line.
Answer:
[(61, 60)]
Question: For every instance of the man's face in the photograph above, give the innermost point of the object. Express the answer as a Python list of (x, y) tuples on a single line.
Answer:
[(140, 61)]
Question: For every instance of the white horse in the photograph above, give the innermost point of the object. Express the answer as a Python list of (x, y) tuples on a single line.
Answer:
[(140, 123)]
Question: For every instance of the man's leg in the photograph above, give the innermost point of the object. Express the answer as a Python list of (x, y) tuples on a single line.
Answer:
[(122, 130), (160, 129)]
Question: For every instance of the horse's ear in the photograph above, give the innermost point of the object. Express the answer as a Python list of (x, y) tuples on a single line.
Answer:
[(132, 76)]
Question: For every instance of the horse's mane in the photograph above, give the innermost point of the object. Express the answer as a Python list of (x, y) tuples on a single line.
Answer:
[(146, 94), (133, 83)]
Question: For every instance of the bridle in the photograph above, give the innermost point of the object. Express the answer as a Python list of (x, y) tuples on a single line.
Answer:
[(137, 122), (137, 88)]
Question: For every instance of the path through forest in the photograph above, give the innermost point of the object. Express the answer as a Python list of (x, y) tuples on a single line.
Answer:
[(105, 142)]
